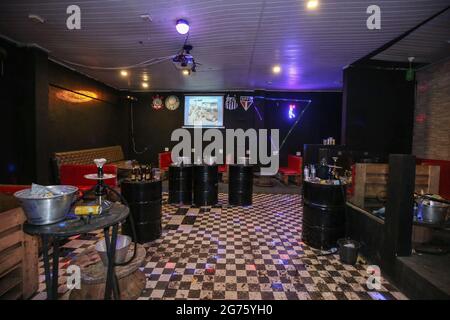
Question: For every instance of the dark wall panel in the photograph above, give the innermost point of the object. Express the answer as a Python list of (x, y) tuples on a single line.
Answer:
[(17, 121), (99, 118), (378, 110)]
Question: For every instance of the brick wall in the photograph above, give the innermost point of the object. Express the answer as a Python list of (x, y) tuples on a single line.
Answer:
[(432, 112)]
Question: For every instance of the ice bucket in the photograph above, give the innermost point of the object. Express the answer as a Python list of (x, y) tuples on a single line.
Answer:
[(50, 209)]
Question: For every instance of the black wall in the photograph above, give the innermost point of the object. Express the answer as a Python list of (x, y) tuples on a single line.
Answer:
[(153, 128), (378, 110), (321, 120), (18, 100), (99, 122), (35, 123)]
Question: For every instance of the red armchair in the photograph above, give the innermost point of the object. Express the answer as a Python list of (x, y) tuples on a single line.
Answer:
[(223, 170), (73, 174), (294, 169), (164, 161)]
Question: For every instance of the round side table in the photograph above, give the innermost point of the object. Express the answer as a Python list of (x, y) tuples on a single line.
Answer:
[(72, 226)]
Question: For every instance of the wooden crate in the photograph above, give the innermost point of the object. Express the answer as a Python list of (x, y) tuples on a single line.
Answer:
[(19, 277), (370, 181)]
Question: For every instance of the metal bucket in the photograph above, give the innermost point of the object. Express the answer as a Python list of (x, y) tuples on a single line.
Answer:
[(48, 210), (348, 251), (122, 245), (432, 211)]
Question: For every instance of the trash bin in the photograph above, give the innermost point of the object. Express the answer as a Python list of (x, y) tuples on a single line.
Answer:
[(348, 250)]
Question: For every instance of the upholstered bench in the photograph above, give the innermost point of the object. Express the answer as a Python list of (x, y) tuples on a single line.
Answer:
[(114, 155)]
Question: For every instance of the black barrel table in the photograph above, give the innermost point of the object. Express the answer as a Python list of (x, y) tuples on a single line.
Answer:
[(206, 183), (323, 214), (144, 199), (240, 184), (180, 184)]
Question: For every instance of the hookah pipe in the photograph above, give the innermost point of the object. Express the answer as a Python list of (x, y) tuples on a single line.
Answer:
[(100, 191)]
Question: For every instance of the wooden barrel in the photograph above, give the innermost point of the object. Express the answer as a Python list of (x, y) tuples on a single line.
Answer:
[(180, 184), (144, 199), (240, 185), (206, 183), (93, 275), (323, 214)]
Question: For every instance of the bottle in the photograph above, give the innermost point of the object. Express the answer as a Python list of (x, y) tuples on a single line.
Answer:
[(140, 174), (306, 173), (313, 172), (148, 175), (133, 173)]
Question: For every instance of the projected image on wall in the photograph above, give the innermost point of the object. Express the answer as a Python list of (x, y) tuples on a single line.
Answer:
[(203, 111)]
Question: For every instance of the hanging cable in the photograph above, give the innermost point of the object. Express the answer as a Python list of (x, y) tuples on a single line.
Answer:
[(137, 65), (133, 142)]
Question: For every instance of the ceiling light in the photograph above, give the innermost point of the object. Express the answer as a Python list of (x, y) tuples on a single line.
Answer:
[(182, 26), (144, 85), (312, 4), (276, 69), (123, 73), (186, 72), (145, 77)]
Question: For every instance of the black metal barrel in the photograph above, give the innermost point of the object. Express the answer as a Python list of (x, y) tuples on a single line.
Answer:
[(323, 214), (144, 199), (206, 181), (180, 184), (240, 184)]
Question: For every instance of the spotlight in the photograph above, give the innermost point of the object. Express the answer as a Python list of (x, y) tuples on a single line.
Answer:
[(276, 69), (186, 72), (123, 73), (312, 4), (182, 26), (144, 85)]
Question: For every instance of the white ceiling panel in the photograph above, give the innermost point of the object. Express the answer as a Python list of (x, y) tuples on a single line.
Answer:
[(237, 42)]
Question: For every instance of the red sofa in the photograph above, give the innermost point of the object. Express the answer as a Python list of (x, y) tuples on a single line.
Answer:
[(293, 169), (444, 178), (73, 174), (12, 188)]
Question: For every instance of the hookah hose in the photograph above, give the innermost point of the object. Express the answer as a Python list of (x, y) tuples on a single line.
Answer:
[(133, 229)]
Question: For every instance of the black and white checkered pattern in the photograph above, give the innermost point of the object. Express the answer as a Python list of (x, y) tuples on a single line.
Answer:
[(224, 252)]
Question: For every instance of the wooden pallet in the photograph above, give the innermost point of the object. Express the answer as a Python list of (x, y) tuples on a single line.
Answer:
[(370, 181), (18, 257)]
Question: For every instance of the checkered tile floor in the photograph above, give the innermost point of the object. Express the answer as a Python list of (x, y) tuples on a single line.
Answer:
[(224, 252)]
